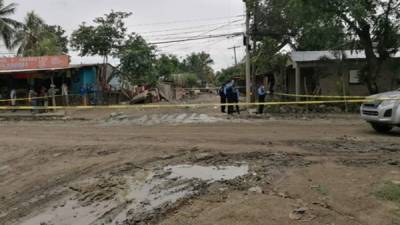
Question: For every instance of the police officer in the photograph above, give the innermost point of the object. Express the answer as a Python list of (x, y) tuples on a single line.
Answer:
[(230, 95), (261, 98), (222, 95)]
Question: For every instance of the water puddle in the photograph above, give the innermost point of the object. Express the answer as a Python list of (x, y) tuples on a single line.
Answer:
[(207, 173), (70, 212), (140, 197)]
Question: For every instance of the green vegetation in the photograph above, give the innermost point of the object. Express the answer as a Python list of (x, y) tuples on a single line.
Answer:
[(8, 26), (372, 26), (200, 64), (320, 189), (36, 38), (137, 61), (105, 39), (389, 191), (229, 73)]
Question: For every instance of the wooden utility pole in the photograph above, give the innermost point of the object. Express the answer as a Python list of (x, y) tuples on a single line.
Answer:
[(234, 52), (248, 65)]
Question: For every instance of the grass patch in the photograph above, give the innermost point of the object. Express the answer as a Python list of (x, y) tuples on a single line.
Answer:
[(321, 190), (389, 192)]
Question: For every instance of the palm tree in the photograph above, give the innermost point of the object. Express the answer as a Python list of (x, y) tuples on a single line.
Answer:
[(7, 25), (29, 38)]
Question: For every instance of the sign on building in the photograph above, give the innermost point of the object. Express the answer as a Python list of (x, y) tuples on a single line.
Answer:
[(34, 63)]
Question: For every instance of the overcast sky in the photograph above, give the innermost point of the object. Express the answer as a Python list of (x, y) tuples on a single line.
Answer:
[(157, 20)]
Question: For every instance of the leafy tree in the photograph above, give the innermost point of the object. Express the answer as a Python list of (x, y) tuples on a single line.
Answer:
[(35, 38), (274, 19), (200, 64), (295, 23), (370, 25), (8, 26), (58, 33), (104, 39), (29, 37), (229, 73), (166, 65), (138, 61), (375, 25), (190, 80)]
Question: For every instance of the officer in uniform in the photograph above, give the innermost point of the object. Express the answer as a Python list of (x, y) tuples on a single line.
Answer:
[(261, 98)]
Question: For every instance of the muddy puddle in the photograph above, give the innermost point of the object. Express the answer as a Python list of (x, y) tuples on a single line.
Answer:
[(133, 199)]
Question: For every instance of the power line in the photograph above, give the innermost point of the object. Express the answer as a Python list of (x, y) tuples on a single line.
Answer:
[(179, 29), (179, 33), (205, 47), (205, 43), (219, 27), (214, 29), (184, 36), (186, 21), (198, 38), (197, 43)]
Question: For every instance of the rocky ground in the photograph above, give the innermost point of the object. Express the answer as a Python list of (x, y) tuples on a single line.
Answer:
[(195, 166)]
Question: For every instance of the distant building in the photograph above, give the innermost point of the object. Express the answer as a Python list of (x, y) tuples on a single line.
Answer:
[(24, 73), (335, 73)]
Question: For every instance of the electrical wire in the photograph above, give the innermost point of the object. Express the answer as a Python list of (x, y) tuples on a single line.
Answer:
[(198, 38), (186, 37), (214, 29), (180, 29), (186, 21), (180, 33)]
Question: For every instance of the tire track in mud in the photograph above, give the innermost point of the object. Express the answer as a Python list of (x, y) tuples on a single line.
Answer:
[(352, 152), (264, 167)]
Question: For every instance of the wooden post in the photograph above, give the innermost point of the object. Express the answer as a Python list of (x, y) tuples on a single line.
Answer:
[(248, 63), (298, 81), (53, 92)]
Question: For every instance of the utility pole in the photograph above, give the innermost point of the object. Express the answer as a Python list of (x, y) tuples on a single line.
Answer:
[(248, 65), (234, 52)]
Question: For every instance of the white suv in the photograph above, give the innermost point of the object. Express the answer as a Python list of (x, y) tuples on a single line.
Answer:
[(382, 111)]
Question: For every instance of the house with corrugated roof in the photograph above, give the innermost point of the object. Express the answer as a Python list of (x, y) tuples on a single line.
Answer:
[(335, 73), (37, 73)]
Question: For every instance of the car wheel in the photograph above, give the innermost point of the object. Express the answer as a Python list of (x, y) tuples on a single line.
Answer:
[(381, 128)]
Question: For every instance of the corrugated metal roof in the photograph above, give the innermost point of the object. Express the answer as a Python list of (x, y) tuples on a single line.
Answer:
[(75, 66), (309, 56)]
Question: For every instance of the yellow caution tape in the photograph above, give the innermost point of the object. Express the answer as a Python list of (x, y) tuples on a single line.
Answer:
[(34, 98), (155, 106)]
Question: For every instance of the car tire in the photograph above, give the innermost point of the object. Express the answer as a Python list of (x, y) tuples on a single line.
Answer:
[(382, 128)]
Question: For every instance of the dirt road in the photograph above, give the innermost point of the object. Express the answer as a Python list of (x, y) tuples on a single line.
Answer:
[(145, 168)]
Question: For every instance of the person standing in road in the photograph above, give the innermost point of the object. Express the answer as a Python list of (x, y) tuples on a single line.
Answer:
[(230, 95), (222, 95), (261, 98)]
